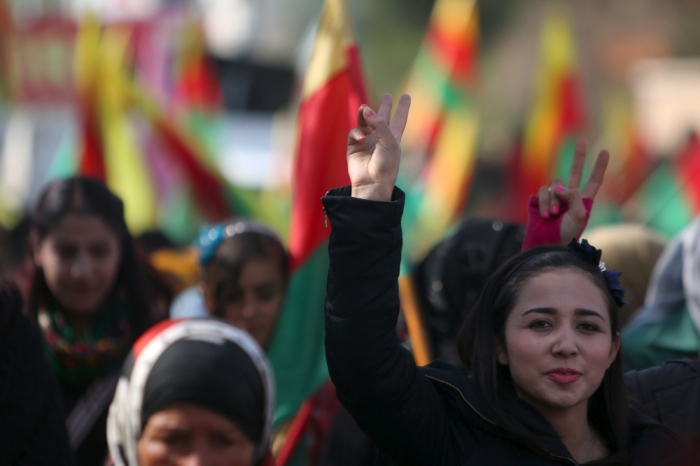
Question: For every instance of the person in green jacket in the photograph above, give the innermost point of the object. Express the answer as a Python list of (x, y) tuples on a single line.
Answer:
[(667, 327)]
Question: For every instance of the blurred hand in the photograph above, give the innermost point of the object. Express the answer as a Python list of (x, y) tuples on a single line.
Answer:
[(374, 149), (551, 198)]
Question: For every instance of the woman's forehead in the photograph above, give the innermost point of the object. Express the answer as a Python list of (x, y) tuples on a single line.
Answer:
[(563, 290)]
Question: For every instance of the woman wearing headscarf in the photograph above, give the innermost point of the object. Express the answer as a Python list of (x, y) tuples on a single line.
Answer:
[(192, 389), (668, 326)]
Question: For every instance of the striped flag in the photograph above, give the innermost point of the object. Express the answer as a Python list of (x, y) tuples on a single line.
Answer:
[(332, 92), (556, 117), (442, 130)]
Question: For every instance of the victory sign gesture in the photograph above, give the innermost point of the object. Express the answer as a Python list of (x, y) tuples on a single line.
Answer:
[(574, 215), (374, 149)]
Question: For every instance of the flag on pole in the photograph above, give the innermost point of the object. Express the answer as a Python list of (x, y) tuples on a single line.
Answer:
[(440, 142), (556, 118), (333, 91)]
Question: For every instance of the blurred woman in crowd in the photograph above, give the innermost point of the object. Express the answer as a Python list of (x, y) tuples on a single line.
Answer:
[(91, 300), (542, 342), (667, 327), (449, 279), (193, 392), (243, 278)]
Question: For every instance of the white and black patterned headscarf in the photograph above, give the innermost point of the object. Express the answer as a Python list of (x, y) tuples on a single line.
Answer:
[(200, 361)]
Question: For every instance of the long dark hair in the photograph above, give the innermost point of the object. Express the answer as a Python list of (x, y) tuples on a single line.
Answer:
[(82, 195), (484, 329)]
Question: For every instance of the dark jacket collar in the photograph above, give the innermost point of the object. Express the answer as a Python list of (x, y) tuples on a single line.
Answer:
[(461, 392)]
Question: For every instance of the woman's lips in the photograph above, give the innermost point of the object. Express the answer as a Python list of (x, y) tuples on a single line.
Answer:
[(564, 375)]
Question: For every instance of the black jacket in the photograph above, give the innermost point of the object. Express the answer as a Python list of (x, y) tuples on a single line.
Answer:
[(670, 394), (415, 416), (32, 429)]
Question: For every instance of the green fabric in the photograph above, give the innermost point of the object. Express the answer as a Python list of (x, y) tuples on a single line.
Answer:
[(297, 351), (77, 360), (674, 337), (663, 205)]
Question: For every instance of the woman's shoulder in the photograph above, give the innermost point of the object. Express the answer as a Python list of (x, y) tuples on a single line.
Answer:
[(654, 444)]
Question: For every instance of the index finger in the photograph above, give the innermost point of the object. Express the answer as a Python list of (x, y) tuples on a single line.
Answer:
[(361, 121), (398, 123), (576, 171), (596, 179)]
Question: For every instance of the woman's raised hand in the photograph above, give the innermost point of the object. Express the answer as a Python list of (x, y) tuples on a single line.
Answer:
[(374, 149), (551, 198)]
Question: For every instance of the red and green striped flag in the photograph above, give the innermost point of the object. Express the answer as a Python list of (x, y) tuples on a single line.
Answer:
[(441, 140), (555, 120), (630, 163), (332, 92), (670, 198), (442, 130)]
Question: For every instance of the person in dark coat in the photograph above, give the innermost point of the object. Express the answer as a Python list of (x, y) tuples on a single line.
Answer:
[(32, 430), (541, 343), (91, 299)]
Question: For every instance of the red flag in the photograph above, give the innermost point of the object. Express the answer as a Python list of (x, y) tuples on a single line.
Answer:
[(333, 91)]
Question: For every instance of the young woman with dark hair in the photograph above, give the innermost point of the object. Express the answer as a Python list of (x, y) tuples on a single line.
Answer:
[(243, 278), (91, 300), (542, 341)]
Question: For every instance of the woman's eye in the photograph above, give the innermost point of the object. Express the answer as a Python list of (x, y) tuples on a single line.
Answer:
[(588, 327), (540, 324), (99, 251), (66, 252), (223, 440), (266, 292)]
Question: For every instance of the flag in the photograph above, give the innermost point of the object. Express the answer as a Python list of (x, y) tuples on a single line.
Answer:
[(670, 198), (442, 130), (140, 166), (332, 92), (555, 119), (630, 162)]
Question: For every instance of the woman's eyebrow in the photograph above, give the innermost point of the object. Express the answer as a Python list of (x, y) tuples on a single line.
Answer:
[(588, 312), (541, 310), (552, 311)]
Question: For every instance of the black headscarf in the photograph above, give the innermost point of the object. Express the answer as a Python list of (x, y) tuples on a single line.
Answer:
[(449, 279), (204, 362)]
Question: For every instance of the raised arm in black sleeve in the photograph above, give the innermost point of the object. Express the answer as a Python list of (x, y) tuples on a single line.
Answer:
[(376, 379)]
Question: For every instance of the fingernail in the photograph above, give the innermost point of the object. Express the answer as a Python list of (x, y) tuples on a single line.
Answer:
[(555, 209), (369, 112), (559, 189)]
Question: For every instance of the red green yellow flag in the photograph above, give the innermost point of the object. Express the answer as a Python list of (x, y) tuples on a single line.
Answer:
[(333, 91), (556, 118), (442, 130)]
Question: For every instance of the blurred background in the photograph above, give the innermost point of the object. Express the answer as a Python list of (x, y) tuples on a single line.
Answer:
[(165, 99)]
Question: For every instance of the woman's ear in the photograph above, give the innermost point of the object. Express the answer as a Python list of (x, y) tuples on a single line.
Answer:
[(614, 348), (35, 248)]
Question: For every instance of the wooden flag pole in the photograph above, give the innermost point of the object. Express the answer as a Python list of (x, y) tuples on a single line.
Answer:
[(414, 321)]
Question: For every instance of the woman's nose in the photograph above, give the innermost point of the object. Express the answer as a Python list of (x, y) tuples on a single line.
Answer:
[(565, 343), (80, 266)]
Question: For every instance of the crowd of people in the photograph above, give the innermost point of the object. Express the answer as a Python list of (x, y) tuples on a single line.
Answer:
[(543, 353)]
